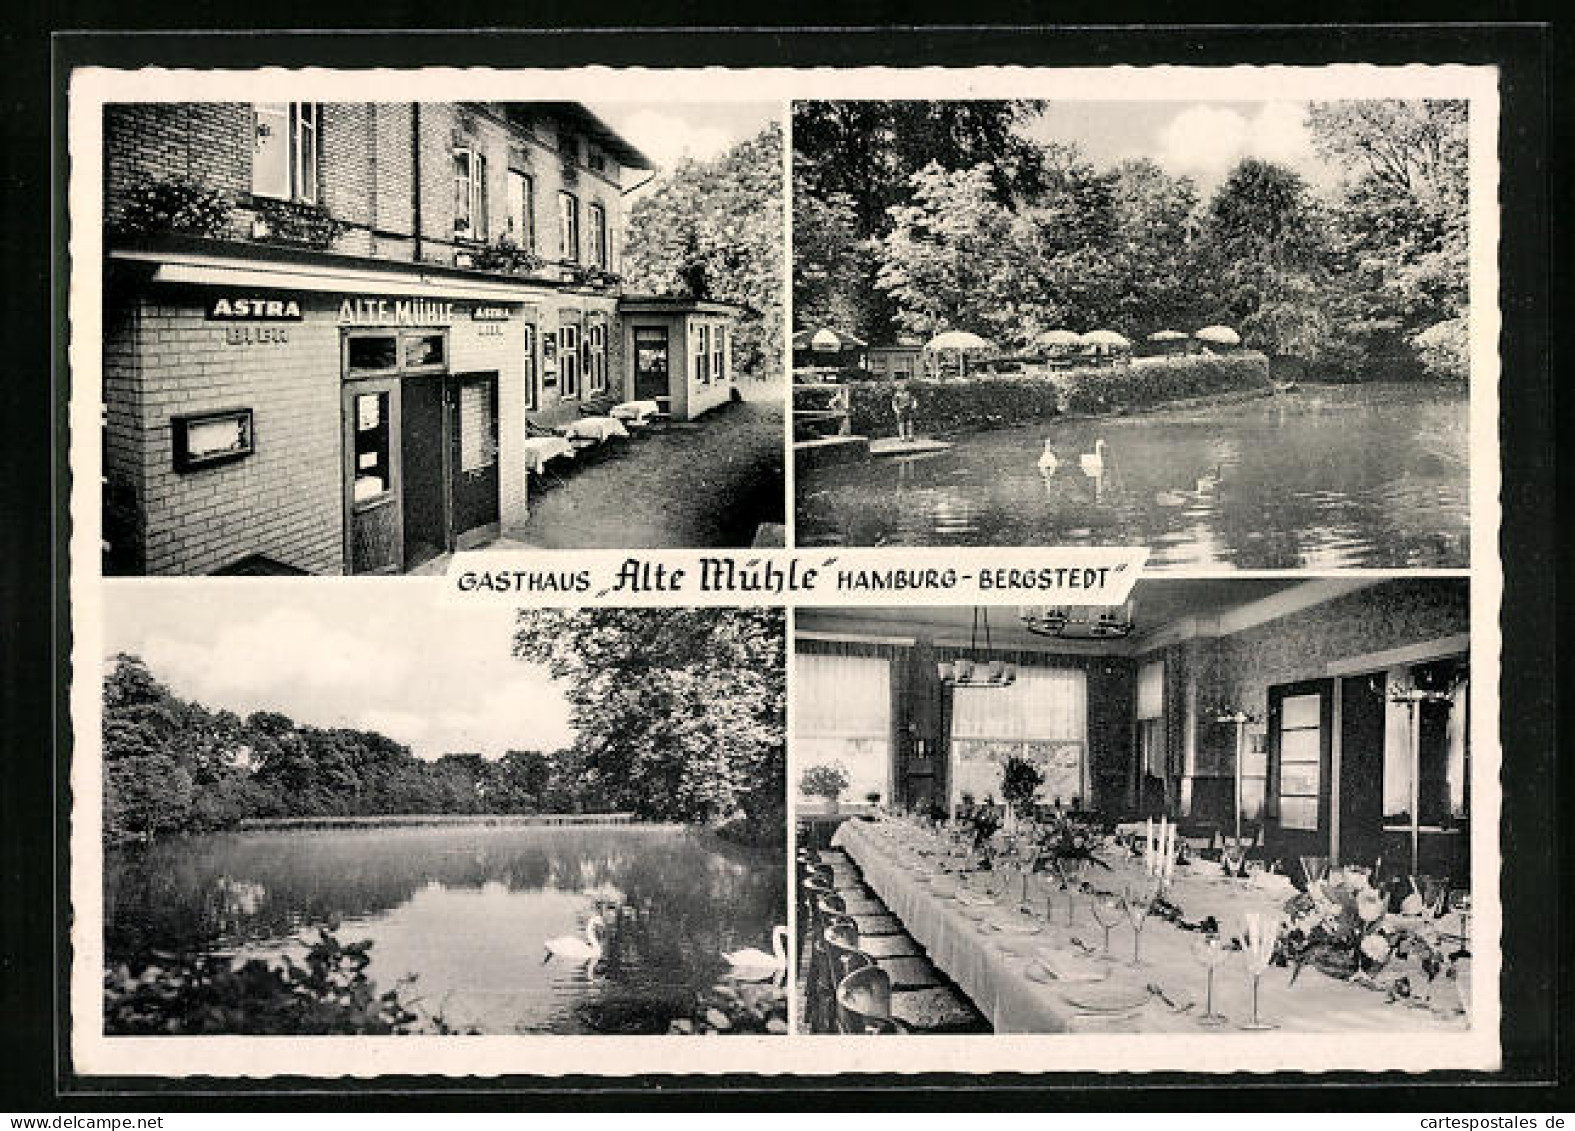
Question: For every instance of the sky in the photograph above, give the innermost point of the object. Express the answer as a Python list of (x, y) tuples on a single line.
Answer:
[(435, 675), (667, 132), (1203, 140)]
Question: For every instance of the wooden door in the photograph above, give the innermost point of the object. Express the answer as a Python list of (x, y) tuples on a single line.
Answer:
[(472, 410), (374, 536), (650, 362), (1361, 768)]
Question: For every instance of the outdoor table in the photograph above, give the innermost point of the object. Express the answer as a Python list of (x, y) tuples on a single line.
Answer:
[(539, 450), (992, 968), (598, 428), (636, 411)]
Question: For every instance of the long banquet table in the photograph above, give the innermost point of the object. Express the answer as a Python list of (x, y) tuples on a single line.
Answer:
[(993, 968)]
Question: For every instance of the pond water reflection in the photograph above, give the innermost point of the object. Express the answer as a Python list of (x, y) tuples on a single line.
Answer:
[(1318, 478), (467, 911)]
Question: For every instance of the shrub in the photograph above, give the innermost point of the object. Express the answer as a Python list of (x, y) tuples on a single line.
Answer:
[(180, 206), (298, 224), (1141, 386), (827, 780), (506, 257), (1445, 349)]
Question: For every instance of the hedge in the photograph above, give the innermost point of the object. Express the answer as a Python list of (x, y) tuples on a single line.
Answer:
[(995, 401)]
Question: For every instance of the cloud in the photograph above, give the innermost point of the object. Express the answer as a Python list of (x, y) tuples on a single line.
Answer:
[(1206, 141), (434, 678), (667, 139)]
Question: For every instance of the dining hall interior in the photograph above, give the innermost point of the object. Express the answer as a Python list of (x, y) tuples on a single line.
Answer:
[(1297, 723), (1327, 715)]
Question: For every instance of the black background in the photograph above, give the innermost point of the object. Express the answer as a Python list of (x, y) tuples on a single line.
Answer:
[(34, 627)]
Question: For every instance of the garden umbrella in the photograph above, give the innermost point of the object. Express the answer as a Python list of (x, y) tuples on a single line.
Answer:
[(1219, 335), (824, 339), (1167, 336), (958, 341), (1060, 338), (1108, 338)]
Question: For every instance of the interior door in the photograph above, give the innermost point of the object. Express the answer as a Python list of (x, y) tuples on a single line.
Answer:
[(1300, 718), (1361, 768), (374, 533), (472, 410)]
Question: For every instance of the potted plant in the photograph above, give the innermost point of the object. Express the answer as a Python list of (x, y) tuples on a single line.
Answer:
[(1020, 780), (826, 780)]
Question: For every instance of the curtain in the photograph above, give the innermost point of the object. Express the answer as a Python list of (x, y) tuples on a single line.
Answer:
[(842, 714), (1042, 717), (1151, 690)]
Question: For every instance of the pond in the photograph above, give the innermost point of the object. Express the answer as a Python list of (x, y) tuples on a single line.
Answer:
[(466, 910), (1320, 477)]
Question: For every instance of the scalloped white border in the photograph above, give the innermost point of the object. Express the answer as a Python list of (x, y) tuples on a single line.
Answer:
[(93, 1053)]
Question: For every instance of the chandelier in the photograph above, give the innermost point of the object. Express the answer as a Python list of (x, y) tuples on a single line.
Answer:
[(966, 671), (1085, 622)]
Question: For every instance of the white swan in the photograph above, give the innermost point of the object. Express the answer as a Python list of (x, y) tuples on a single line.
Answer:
[(754, 965), (574, 947), (1047, 460), (1093, 463)]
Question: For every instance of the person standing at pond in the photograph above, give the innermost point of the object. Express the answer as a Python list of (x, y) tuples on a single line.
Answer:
[(902, 403)]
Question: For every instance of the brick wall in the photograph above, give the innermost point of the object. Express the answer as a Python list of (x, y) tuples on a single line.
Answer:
[(283, 501), (366, 174)]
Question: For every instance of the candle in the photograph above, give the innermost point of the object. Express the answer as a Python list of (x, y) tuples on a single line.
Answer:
[(1148, 844)]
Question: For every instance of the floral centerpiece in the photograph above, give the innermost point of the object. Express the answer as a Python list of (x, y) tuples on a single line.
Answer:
[(827, 780), (1020, 780), (1066, 836), (1342, 926)]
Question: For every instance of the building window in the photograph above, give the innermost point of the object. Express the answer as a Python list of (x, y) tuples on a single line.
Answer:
[(596, 218), (718, 353), (1301, 760), (1043, 717), (842, 715), (470, 194), (284, 150), (596, 357), (596, 160), (532, 391), (569, 359), (568, 227), (373, 475), (522, 210), (702, 347), (1426, 750)]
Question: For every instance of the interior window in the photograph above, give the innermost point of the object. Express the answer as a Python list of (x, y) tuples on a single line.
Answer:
[(371, 446)]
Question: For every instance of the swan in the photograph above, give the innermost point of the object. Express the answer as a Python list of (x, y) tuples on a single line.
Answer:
[(1093, 463), (574, 947), (754, 965), (1047, 460)]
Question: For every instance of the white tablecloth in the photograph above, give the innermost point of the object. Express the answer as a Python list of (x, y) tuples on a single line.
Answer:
[(635, 410), (593, 428), (992, 967), (540, 449)]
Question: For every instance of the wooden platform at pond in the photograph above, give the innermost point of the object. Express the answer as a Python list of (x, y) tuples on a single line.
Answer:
[(828, 450), (916, 447)]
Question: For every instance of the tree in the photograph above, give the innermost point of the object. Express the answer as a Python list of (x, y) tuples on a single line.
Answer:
[(853, 163), (678, 711), (713, 230), (1400, 238)]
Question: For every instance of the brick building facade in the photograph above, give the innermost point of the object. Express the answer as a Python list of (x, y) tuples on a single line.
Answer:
[(331, 328)]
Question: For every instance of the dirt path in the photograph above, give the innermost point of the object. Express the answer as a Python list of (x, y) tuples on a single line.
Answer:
[(709, 483)]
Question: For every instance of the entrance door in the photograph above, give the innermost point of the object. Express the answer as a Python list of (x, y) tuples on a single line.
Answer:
[(472, 409), (650, 362), (1300, 715), (1361, 768), (373, 529), (425, 470)]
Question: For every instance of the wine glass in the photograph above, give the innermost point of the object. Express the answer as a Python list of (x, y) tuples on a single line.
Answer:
[(1109, 909), (1460, 904), (1259, 935), (1235, 856), (1211, 953), (1138, 902), (1027, 857), (1314, 868), (1070, 870)]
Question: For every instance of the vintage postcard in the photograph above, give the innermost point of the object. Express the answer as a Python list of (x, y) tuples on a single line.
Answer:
[(998, 560)]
